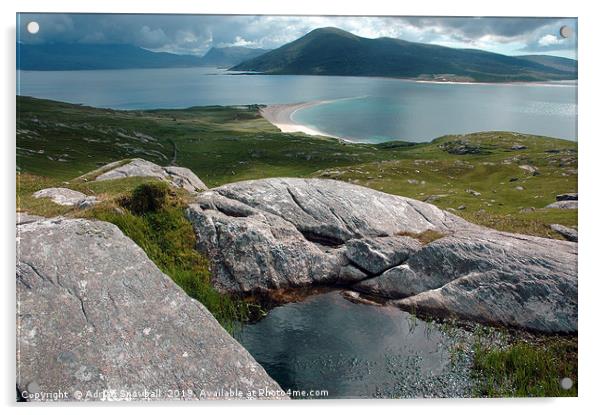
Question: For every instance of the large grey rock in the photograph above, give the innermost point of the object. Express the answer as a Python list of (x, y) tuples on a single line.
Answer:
[(334, 212), (497, 277), (135, 168), (279, 233), (66, 197), (258, 251), (95, 314), (178, 176), (282, 233)]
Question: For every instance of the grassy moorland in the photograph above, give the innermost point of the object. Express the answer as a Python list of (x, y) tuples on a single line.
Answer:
[(478, 176), (499, 179), (526, 368)]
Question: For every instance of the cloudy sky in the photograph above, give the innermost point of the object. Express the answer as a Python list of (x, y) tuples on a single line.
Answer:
[(195, 34)]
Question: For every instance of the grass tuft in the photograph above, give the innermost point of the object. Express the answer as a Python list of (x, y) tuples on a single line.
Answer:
[(524, 369), (425, 237), (147, 198)]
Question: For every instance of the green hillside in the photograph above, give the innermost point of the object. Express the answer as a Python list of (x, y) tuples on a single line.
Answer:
[(478, 176), (332, 51)]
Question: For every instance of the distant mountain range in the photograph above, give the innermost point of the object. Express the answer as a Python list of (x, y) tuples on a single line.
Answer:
[(332, 51), (325, 51), (77, 56), (229, 56)]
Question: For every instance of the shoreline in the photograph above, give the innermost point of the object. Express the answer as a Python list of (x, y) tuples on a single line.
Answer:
[(550, 82), (281, 116)]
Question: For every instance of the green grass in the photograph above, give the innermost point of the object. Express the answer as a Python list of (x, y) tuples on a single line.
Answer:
[(527, 369), (507, 197), (227, 144)]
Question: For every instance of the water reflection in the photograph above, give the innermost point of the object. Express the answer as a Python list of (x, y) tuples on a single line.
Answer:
[(351, 350)]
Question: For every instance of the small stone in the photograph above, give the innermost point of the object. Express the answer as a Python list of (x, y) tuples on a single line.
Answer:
[(62, 196), (87, 202), (564, 204), (530, 169)]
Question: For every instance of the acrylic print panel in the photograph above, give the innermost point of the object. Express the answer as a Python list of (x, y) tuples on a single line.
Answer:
[(292, 207)]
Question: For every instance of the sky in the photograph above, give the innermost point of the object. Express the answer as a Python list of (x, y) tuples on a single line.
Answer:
[(196, 34)]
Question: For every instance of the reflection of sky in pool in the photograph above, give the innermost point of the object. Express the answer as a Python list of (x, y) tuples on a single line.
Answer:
[(351, 350)]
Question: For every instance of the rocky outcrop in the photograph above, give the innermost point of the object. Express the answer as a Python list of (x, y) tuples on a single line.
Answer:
[(178, 176), (496, 277), (66, 197), (569, 234), (284, 233), (97, 320)]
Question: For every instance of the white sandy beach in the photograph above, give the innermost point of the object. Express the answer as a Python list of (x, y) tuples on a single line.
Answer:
[(281, 115)]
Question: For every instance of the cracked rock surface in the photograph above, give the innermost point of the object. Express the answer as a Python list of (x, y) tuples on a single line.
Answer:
[(178, 176), (95, 314), (284, 233)]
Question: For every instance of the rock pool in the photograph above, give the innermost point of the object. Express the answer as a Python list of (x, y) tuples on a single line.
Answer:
[(351, 350)]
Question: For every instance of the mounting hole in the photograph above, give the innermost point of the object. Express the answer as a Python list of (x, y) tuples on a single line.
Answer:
[(566, 383), (33, 27), (565, 32)]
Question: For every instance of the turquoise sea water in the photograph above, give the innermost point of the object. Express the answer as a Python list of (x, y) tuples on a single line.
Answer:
[(421, 112), (361, 108)]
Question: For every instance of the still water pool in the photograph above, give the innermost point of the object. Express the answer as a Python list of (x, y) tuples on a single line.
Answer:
[(351, 350)]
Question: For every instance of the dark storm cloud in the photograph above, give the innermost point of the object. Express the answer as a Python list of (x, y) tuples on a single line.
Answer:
[(195, 34), (475, 27)]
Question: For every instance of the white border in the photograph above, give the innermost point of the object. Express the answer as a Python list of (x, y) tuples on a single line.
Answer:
[(590, 153)]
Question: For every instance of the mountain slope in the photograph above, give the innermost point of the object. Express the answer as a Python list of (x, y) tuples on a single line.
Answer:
[(332, 51), (74, 56), (229, 56)]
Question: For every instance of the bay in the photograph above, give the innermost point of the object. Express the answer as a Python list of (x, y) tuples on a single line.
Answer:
[(363, 109)]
